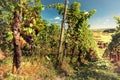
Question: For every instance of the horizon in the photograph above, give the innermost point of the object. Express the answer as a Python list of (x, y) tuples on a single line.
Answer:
[(103, 18)]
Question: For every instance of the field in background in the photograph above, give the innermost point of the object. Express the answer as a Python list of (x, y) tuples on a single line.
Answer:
[(104, 36)]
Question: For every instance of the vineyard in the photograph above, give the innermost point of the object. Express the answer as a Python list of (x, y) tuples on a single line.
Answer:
[(33, 48)]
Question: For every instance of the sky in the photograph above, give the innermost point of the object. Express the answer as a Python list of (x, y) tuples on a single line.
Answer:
[(103, 18)]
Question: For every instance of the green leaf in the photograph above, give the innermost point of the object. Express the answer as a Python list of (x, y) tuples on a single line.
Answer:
[(31, 25)]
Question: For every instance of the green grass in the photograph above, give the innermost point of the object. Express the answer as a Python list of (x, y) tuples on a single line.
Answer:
[(40, 68), (32, 68), (100, 70)]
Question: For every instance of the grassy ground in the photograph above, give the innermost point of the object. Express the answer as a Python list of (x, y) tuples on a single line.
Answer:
[(36, 68), (33, 68)]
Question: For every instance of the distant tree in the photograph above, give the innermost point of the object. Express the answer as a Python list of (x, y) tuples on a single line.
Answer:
[(46, 42), (54, 34)]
